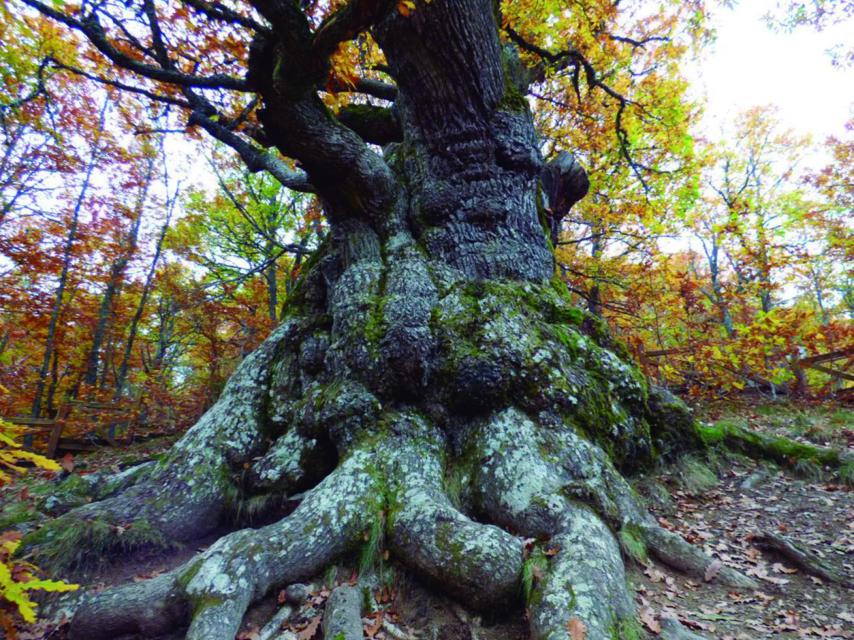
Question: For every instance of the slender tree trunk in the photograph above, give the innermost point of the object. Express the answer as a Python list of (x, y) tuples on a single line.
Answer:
[(271, 277), (121, 375), (819, 297), (117, 271), (66, 264), (594, 300), (54, 383)]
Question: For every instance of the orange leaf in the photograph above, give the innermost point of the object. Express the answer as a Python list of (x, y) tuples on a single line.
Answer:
[(310, 630), (577, 629)]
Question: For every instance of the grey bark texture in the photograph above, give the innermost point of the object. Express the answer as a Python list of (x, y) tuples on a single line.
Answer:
[(431, 390), (342, 619)]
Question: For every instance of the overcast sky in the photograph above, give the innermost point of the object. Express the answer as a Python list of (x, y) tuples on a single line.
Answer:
[(751, 65)]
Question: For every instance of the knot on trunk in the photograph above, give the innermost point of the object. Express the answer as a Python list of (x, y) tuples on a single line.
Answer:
[(565, 182)]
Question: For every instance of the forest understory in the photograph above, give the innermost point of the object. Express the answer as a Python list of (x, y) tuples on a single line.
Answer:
[(723, 502)]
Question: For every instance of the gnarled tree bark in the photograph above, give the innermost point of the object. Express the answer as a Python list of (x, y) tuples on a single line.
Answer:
[(431, 382)]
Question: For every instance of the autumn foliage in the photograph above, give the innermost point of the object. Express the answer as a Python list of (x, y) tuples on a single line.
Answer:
[(137, 270)]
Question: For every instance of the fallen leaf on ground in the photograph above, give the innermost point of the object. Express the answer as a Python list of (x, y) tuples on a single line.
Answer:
[(647, 616), (577, 629)]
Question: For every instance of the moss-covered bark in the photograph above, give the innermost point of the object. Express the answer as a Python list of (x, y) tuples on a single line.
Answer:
[(430, 376), (738, 438)]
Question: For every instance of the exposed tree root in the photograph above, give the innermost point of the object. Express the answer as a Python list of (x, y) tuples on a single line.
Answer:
[(671, 549), (803, 558), (272, 630), (778, 449), (477, 562), (550, 487), (182, 497), (342, 619), (564, 491), (213, 590)]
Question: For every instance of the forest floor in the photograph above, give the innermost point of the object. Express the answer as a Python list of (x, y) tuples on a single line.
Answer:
[(720, 503)]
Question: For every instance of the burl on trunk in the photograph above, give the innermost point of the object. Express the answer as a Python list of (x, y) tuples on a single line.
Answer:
[(432, 384)]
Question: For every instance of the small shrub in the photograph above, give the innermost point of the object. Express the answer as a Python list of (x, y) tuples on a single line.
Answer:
[(18, 578)]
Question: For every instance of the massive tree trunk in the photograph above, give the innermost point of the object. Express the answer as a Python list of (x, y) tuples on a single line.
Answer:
[(430, 382)]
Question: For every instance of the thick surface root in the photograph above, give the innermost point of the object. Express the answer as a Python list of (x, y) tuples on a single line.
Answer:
[(520, 479), (477, 562), (342, 619), (180, 498), (764, 446), (212, 591), (547, 483), (801, 557), (584, 582)]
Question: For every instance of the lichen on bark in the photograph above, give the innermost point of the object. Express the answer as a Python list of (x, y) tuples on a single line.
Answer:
[(430, 371)]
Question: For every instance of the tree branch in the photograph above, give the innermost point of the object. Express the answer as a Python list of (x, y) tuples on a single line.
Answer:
[(637, 44), (377, 125), (220, 12), (94, 32), (119, 85), (574, 58), (255, 159), (348, 22)]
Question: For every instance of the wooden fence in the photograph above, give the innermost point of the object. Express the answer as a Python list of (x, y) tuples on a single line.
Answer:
[(54, 427)]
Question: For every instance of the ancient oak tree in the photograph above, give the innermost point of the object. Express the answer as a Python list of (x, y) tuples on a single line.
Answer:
[(430, 383)]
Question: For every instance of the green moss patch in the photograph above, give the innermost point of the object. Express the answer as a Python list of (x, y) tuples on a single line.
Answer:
[(69, 544)]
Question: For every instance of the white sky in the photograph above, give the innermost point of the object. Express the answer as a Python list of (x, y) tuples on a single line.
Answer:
[(748, 65), (751, 65)]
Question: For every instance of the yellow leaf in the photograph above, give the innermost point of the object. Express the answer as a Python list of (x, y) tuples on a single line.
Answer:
[(405, 7)]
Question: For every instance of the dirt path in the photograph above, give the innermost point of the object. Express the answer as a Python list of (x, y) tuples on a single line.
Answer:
[(790, 603)]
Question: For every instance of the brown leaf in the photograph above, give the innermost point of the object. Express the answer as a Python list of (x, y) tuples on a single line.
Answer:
[(148, 575), (647, 616), (577, 629), (67, 462), (310, 630), (781, 568), (372, 628)]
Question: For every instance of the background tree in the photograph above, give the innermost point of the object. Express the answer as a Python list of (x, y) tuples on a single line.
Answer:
[(427, 339), (428, 362)]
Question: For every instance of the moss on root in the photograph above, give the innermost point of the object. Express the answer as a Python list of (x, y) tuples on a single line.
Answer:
[(632, 544), (371, 552), (16, 514), (695, 475), (533, 569), (627, 629), (73, 545), (733, 435)]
